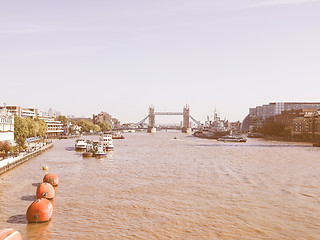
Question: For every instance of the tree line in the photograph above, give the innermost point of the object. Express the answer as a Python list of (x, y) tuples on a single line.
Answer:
[(86, 126), (35, 127), (27, 128), (24, 128)]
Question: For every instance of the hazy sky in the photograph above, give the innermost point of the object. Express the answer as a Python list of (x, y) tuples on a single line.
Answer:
[(83, 57)]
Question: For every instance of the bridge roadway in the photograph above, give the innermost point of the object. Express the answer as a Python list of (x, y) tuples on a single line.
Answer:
[(168, 113)]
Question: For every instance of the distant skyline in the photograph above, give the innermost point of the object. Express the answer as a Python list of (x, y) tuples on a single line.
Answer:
[(83, 57)]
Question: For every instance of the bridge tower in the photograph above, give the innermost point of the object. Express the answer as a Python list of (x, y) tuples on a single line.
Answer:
[(186, 120), (151, 126)]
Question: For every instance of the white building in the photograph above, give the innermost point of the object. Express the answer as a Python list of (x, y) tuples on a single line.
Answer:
[(54, 126), (6, 126)]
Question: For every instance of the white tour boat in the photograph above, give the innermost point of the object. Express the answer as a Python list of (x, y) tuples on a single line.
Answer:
[(100, 150), (106, 140), (232, 138), (81, 144)]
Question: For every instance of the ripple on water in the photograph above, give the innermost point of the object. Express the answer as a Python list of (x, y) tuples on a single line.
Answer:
[(154, 187)]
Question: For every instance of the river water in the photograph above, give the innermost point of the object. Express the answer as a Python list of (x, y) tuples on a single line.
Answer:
[(153, 186)]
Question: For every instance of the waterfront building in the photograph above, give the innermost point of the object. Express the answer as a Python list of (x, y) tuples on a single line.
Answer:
[(286, 117), (235, 126), (307, 126), (261, 115), (21, 112), (6, 126), (70, 128), (105, 117), (55, 128)]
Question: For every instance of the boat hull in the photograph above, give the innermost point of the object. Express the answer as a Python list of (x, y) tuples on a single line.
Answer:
[(80, 148), (210, 135), (87, 154), (100, 155), (232, 140)]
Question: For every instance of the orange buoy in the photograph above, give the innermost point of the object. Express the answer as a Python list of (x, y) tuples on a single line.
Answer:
[(45, 190), (51, 178), (39, 211), (10, 234)]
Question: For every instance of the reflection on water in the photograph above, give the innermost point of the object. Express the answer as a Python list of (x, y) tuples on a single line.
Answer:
[(39, 230), (172, 186)]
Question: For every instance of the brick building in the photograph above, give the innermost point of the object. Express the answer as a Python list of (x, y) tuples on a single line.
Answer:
[(261, 115), (105, 117), (307, 126)]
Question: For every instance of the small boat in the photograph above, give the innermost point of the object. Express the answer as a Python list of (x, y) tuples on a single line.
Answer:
[(100, 151), (10, 234), (89, 149), (81, 144), (106, 140), (232, 138), (117, 135), (255, 135)]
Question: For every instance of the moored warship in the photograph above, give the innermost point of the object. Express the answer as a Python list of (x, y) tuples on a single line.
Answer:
[(213, 129)]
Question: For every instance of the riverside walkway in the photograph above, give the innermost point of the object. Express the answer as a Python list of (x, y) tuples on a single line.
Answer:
[(11, 162)]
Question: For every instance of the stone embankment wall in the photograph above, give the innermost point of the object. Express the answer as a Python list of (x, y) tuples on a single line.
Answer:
[(12, 162)]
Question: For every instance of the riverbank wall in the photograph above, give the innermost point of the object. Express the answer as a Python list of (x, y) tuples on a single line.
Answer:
[(288, 139), (12, 162)]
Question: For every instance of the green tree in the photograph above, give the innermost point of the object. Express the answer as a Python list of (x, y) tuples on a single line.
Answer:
[(105, 126), (28, 127), (20, 128), (21, 144), (32, 126), (64, 120), (86, 126), (42, 127), (96, 128)]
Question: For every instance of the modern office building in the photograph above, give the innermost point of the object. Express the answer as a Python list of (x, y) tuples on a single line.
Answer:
[(21, 112)]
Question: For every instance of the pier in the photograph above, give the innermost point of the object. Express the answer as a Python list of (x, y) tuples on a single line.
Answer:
[(11, 162)]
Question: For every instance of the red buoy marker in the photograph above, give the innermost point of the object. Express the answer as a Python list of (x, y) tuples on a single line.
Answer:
[(45, 190), (39, 211), (51, 178)]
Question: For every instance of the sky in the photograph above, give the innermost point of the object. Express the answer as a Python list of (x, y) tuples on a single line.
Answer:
[(82, 57)]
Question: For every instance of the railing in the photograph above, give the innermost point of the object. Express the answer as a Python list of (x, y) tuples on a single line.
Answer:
[(10, 163)]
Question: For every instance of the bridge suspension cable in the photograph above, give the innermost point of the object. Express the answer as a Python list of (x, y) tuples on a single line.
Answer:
[(142, 121), (196, 121)]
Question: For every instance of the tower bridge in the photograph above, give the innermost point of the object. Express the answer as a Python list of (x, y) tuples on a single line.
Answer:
[(185, 123)]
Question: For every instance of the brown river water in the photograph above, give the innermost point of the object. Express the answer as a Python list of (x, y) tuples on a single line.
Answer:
[(153, 186)]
